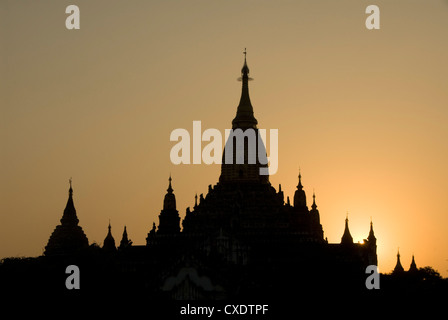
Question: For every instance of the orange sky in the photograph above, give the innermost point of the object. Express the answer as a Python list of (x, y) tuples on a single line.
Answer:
[(363, 113)]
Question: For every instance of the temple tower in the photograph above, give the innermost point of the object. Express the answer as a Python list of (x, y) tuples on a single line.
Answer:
[(68, 237), (169, 220), (244, 152)]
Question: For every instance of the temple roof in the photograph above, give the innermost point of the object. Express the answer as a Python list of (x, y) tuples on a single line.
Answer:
[(398, 267), (413, 266), (68, 237), (346, 237), (69, 216)]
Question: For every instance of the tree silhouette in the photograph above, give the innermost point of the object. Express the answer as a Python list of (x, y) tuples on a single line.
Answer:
[(429, 273)]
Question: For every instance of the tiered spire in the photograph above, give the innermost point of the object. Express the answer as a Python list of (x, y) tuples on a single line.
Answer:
[(68, 237), (245, 113), (238, 165)]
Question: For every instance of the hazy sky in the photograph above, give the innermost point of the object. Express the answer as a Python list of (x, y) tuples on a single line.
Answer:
[(364, 113)]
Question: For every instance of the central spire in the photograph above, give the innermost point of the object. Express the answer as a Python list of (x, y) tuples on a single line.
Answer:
[(245, 113), (170, 189), (241, 163)]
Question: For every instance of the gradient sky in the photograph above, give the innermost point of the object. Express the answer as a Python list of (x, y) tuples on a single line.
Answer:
[(363, 113)]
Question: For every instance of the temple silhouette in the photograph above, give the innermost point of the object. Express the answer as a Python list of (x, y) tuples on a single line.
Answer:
[(241, 240)]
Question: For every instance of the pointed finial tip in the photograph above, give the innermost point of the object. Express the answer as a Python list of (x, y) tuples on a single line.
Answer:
[(70, 190), (170, 188), (245, 69)]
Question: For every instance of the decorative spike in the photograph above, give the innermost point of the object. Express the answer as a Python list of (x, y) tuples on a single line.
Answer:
[(314, 206), (371, 236), (300, 186), (70, 190), (170, 189)]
